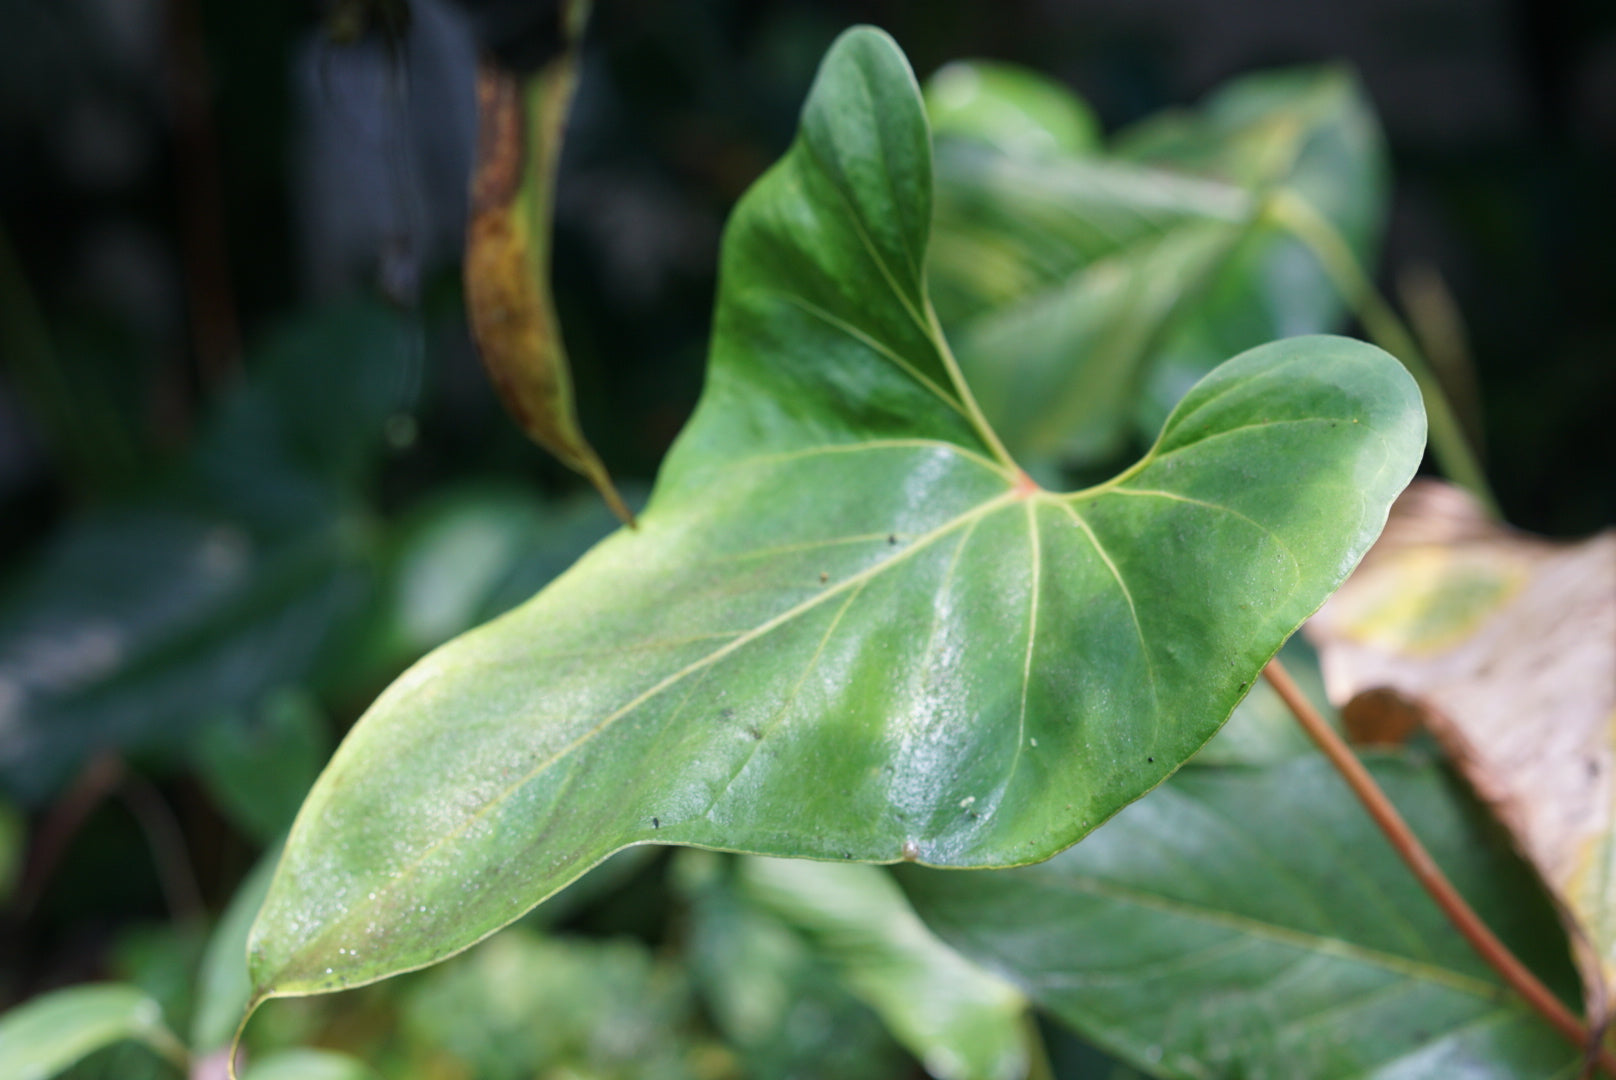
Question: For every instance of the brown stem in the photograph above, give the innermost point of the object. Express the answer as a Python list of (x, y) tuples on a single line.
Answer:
[(1435, 882), (167, 843), (62, 823), (215, 335), (102, 778)]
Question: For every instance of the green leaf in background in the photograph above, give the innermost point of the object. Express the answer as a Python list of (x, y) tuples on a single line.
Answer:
[(248, 569), (1251, 922), (257, 768), (466, 556), (1310, 133), (53, 1031), (1082, 288), (1012, 108), (138, 625), (847, 627), (223, 986), (775, 998), (960, 1021), (523, 1005), (308, 1065)]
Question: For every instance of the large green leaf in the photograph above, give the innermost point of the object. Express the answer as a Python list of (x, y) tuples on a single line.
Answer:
[(847, 627), (1252, 923), (50, 1033)]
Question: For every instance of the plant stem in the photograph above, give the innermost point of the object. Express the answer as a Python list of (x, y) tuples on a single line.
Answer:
[(172, 1050), (1448, 440), (979, 420), (167, 843), (1431, 877)]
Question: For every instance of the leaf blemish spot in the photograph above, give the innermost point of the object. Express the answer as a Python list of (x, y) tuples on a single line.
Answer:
[(823, 577)]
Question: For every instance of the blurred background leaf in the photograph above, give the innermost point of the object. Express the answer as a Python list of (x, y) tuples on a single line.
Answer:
[(1248, 921), (960, 1021), (1086, 292), (47, 1035)]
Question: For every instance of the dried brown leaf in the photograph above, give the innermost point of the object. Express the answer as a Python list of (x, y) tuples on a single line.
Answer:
[(1507, 643), (507, 270)]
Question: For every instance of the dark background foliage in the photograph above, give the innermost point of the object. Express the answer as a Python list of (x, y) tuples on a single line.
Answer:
[(178, 176)]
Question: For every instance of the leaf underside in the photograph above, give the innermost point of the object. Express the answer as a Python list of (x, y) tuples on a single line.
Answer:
[(847, 628)]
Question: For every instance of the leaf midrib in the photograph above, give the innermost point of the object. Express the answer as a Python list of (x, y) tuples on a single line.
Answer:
[(852, 582)]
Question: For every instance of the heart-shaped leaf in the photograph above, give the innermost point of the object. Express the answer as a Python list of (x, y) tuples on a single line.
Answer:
[(1251, 922), (848, 627)]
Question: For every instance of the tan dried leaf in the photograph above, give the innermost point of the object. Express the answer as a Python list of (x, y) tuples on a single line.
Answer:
[(521, 119), (1507, 642)]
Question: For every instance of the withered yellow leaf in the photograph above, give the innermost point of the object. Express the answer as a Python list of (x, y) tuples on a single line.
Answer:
[(1507, 642), (507, 270)]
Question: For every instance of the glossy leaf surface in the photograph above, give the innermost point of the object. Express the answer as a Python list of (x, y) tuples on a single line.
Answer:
[(51, 1032), (847, 628), (1252, 923)]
